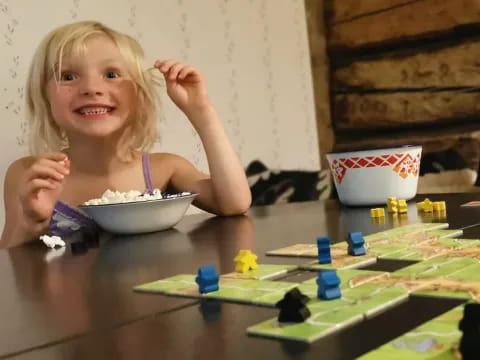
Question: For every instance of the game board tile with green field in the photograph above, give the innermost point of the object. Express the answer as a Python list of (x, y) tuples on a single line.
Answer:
[(406, 230), (434, 340), (401, 236), (382, 244), (441, 266), (351, 278), (453, 277), (263, 272), (328, 316), (341, 260), (261, 292), (446, 233), (415, 246), (432, 248)]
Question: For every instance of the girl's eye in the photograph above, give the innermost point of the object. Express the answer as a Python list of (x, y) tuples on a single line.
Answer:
[(112, 75), (67, 77)]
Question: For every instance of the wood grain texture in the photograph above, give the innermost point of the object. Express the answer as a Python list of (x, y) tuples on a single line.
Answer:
[(414, 20), (320, 73), (373, 111), (431, 140), (342, 10), (456, 66)]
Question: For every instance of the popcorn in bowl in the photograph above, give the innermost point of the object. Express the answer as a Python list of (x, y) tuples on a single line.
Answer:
[(118, 197), (134, 212)]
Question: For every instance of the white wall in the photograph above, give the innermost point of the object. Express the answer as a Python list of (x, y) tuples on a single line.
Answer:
[(254, 54)]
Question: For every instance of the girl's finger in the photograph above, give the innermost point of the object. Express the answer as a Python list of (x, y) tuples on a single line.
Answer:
[(54, 156), (174, 70), (38, 184), (62, 167), (187, 70), (44, 171), (164, 66)]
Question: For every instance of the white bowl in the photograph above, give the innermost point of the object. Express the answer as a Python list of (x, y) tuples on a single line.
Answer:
[(370, 177), (140, 216)]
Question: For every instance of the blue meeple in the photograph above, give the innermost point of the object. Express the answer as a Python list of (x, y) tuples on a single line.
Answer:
[(207, 279), (324, 255), (356, 243), (328, 285)]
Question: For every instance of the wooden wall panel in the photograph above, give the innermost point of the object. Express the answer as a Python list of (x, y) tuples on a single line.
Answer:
[(432, 140), (342, 10), (374, 111), (456, 66), (413, 20), (321, 74)]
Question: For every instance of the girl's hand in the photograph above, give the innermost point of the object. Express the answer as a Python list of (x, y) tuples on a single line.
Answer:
[(185, 86), (42, 184)]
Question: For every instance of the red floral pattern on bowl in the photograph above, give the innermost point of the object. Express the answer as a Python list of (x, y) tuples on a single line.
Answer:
[(403, 164)]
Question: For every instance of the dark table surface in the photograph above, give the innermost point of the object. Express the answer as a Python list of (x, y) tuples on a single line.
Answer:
[(68, 304)]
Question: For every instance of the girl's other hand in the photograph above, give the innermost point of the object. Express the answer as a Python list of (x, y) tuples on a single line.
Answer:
[(185, 86), (42, 184)]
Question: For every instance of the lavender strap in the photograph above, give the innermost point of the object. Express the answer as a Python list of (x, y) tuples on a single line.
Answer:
[(146, 173), (76, 217), (75, 214)]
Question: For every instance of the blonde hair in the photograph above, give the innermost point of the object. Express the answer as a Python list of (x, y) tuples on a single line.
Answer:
[(45, 134)]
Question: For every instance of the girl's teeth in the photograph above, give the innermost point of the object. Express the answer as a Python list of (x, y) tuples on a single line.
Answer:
[(94, 111)]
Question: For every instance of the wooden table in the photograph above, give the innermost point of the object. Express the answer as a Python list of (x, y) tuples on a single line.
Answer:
[(81, 306)]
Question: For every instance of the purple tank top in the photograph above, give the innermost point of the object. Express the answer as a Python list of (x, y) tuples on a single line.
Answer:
[(67, 219)]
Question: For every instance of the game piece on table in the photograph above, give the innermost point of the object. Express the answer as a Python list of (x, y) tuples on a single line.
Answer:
[(377, 212), (207, 279), (420, 206), (426, 205), (402, 206), (470, 327), (292, 307), (328, 285), (439, 206), (356, 243), (245, 261), (78, 247), (392, 205), (324, 255)]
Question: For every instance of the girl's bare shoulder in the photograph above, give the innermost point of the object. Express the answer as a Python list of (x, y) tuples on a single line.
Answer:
[(166, 159), (21, 164), (16, 169)]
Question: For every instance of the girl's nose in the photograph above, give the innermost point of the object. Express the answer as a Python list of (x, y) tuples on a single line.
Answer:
[(91, 87)]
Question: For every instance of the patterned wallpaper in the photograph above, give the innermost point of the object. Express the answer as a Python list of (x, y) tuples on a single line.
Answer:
[(254, 54)]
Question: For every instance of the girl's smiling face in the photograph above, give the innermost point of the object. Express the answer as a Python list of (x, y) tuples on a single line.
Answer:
[(93, 94)]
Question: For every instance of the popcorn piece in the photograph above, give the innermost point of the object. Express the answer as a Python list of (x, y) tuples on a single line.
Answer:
[(52, 241), (116, 197)]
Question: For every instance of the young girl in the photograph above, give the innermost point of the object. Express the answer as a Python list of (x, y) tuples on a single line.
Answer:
[(92, 108)]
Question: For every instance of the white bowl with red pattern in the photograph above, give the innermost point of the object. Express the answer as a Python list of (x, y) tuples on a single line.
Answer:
[(370, 177)]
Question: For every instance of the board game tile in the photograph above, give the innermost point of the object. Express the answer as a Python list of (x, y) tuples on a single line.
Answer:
[(344, 261), (171, 285), (332, 315), (352, 278), (435, 267), (435, 339), (263, 272), (261, 292), (297, 250), (446, 233)]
